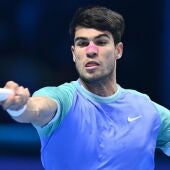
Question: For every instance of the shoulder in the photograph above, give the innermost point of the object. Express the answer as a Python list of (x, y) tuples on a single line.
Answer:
[(134, 93), (56, 90)]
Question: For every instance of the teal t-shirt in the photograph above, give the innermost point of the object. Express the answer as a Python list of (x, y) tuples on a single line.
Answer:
[(107, 133)]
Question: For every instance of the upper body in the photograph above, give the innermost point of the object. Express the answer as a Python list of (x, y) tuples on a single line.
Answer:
[(97, 33), (94, 132)]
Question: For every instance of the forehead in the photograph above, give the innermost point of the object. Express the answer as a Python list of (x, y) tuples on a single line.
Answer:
[(90, 33)]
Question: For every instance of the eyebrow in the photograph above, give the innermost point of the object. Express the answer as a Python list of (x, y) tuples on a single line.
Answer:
[(98, 36)]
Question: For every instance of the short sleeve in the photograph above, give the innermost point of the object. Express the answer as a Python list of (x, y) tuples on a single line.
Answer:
[(63, 96)]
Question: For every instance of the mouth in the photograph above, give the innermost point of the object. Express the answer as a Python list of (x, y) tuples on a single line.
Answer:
[(91, 64)]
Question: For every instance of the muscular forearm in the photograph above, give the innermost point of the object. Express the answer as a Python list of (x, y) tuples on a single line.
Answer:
[(39, 111)]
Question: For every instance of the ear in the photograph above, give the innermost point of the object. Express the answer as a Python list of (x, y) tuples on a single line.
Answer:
[(119, 50), (72, 50)]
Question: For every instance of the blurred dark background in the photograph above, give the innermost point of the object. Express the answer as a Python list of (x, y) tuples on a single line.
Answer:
[(35, 52)]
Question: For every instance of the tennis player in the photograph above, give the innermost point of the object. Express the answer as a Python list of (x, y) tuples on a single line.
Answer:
[(93, 123)]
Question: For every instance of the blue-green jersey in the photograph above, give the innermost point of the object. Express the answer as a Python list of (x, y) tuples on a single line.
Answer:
[(90, 132)]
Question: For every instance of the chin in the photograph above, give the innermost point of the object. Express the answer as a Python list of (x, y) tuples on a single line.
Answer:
[(91, 79)]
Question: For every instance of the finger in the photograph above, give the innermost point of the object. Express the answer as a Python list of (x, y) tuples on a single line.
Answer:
[(23, 92), (8, 102), (11, 85), (20, 91), (17, 104), (14, 103), (27, 92)]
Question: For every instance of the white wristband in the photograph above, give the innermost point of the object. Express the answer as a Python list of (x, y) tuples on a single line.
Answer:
[(15, 113)]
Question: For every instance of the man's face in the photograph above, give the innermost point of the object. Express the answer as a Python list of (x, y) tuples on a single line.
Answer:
[(95, 54)]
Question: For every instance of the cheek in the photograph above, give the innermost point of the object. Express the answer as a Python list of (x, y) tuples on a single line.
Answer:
[(78, 56), (78, 62), (109, 55)]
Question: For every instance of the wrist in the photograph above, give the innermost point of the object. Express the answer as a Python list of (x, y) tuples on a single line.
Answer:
[(16, 113)]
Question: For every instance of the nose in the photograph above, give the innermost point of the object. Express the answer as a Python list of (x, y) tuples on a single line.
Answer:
[(92, 50)]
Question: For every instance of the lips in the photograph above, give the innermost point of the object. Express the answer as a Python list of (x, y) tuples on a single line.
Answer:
[(91, 64)]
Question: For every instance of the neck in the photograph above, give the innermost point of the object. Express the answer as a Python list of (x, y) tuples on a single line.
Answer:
[(101, 88)]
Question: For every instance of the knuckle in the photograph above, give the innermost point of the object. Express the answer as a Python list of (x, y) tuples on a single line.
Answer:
[(11, 84)]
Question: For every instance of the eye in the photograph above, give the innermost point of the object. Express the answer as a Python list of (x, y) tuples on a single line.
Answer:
[(101, 42), (82, 43)]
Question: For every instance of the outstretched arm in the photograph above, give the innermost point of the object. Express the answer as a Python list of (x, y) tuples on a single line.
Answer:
[(38, 110)]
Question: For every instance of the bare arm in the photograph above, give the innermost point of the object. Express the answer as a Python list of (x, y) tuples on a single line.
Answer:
[(39, 110)]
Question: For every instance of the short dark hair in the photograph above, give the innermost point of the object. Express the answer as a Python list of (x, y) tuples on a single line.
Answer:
[(100, 18)]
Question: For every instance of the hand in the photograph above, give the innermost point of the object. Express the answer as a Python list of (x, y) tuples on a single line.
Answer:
[(18, 99)]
